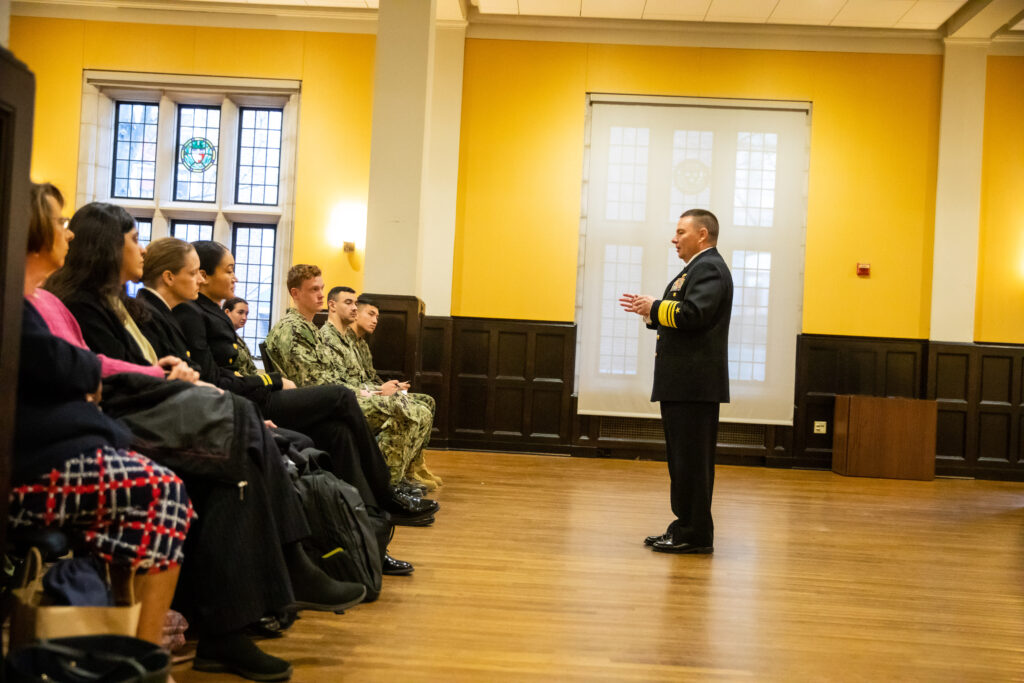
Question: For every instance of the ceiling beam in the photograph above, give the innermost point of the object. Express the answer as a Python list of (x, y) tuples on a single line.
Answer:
[(983, 19)]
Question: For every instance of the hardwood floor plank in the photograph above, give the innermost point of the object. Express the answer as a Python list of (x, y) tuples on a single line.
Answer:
[(535, 570)]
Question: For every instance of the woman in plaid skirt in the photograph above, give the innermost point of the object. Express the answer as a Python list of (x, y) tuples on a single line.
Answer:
[(72, 466)]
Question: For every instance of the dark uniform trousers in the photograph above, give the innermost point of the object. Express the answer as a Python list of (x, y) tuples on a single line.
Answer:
[(691, 434), (330, 415)]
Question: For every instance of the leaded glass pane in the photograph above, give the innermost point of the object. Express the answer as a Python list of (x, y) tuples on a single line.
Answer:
[(192, 231), (198, 150), (134, 163), (254, 268), (259, 156), (145, 227)]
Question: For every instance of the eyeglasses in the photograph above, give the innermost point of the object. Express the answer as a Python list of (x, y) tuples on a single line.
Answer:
[(63, 222)]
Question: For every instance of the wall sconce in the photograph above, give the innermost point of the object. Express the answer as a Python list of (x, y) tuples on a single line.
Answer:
[(347, 229)]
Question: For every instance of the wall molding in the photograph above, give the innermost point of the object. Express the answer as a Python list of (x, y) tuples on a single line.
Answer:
[(706, 34)]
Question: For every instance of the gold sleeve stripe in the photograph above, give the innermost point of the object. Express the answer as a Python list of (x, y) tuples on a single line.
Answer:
[(666, 313), (266, 379)]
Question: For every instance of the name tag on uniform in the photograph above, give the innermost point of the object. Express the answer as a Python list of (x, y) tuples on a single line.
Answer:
[(678, 284)]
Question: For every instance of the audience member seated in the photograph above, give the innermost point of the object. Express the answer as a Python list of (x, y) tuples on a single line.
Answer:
[(237, 309), (329, 415), (294, 343), (349, 322), (245, 558), (72, 465)]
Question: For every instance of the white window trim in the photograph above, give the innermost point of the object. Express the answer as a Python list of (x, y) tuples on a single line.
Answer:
[(101, 89)]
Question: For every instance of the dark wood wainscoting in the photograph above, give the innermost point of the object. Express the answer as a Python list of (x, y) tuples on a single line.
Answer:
[(830, 365), (507, 385), (979, 391), (511, 384)]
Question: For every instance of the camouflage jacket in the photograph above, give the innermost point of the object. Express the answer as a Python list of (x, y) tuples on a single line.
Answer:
[(366, 360), (246, 366), (339, 350), (294, 344)]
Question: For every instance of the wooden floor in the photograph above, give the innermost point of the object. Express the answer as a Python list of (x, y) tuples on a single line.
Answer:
[(536, 571)]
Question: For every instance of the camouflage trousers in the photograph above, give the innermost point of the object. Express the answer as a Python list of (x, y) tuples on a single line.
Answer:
[(402, 424)]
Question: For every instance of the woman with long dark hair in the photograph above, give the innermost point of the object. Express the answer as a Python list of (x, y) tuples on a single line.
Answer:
[(245, 558)]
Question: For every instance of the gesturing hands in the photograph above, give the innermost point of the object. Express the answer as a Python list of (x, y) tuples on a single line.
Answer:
[(637, 303)]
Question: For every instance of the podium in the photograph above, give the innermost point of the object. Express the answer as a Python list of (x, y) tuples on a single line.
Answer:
[(892, 438)]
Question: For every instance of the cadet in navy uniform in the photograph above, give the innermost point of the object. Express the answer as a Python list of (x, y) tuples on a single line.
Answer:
[(691, 376)]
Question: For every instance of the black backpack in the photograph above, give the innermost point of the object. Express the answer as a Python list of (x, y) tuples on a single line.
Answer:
[(346, 541)]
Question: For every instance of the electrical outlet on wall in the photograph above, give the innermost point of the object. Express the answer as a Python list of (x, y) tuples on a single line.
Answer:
[(820, 427)]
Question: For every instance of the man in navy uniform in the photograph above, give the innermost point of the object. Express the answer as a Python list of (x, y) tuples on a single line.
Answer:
[(691, 376)]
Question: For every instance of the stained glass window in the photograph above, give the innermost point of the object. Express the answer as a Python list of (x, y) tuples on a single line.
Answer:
[(145, 227), (259, 156), (198, 148), (191, 231), (254, 268), (134, 165)]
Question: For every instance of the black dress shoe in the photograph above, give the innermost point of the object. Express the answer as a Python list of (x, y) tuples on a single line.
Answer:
[(651, 540), (667, 545), (403, 503), (393, 567), (408, 519)]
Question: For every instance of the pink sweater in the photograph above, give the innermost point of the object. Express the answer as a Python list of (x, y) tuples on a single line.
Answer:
[(60, 321)]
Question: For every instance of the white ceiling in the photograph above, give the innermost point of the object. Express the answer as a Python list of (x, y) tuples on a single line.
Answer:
[(898, 14)]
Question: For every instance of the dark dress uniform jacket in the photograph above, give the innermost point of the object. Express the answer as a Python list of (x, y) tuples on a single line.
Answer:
[(691, 358), (161, 329), (210, 338)]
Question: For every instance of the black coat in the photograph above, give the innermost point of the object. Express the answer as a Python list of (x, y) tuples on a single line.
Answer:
[(53, 420), (212, 345), (691, 362), (161, 328), (102, 330)]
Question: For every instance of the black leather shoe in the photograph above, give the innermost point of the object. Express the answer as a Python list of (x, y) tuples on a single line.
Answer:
[(393, 567), (411, 488), (407, 519), (667, 545), (651, 540), (404, 503)]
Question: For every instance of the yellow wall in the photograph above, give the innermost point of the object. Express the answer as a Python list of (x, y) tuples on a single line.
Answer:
[(999, 311), (872, 182), (336, 70)]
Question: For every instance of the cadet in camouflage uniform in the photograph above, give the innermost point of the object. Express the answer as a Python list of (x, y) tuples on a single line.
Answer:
[(294, 345), (340, 342), (364, 325)]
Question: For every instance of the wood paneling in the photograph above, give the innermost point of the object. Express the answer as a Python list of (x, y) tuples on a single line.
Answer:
[(507, 385), (978, 389), (396, 341), (17, 98), (831, 365), (511, 384), (435, 372)]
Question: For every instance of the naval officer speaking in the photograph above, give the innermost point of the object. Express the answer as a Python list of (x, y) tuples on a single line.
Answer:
[(691, 376)]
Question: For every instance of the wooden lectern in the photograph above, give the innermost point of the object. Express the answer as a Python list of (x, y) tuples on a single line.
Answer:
[(884, 437)]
